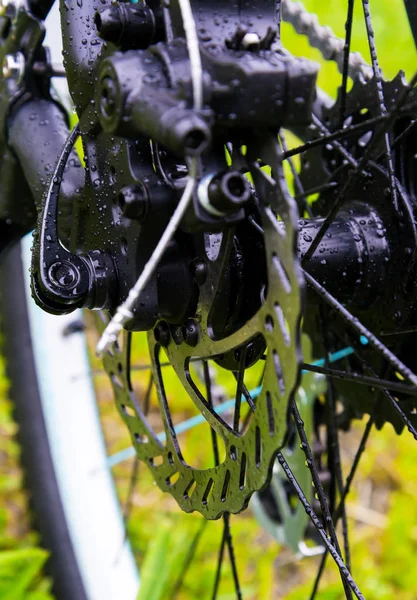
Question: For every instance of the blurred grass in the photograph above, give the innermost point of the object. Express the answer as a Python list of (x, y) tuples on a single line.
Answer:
[(382, 511)]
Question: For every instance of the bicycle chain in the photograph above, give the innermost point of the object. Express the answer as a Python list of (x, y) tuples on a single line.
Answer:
[(324, 39)]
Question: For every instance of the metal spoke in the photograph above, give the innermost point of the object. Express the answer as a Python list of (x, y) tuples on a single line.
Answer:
[(226, 540), (127, 509), (399, 332), (279, 17), (229, 541), (316, 190), (246, 394), (381, 99), (207, 381), (386, 125), (341, 507), (319, 575), (346, 56), (394, 403), (335, 144), (401, 137), (297, 181), (219, 562), (355, 324), (335, 447), (319, 527), (316, 481), (239, 389), (363, 379), (333, 438), (353, 469), (227, 535), (338, 135)]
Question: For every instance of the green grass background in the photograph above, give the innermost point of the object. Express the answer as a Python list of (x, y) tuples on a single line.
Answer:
[(382, 507)]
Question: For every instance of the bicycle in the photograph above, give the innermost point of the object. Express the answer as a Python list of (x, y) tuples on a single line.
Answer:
[(181, 187)]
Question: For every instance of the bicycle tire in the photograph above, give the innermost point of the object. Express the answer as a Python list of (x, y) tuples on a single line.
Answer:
[(68, 566)]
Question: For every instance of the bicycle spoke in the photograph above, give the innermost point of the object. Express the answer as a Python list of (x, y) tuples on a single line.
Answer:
[(354, 467), (401, 137), (394, 403), (127, 509), (355, 324), (399, 332), (305, 207), (316, 190), (207, 381), (333, 440), (385, 127), (335, 144), (346, 56), (226, 540), (336, 463), (219, 562), (338, 135), (381, 100), (319, 527), (232, 557), (135, 468), (341, 507), (239, 389), (363, 379), (317, 483), (279, 17), (246, 394), (227, 536), (319, 575)]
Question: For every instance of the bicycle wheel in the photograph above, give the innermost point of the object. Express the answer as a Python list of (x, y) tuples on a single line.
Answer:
[(240, 336), (63, 455)]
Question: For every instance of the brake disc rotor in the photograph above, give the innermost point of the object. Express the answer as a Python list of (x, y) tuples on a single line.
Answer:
[(249, 455), (277, 508)]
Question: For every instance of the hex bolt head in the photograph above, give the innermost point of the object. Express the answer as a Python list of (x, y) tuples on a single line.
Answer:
[(162, 333), (134, 201), (191, 332)]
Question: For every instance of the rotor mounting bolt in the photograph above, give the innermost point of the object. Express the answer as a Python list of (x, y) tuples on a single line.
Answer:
[(162, 333), (191, 333), (134, 202), (64, 275), (14, 67)]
